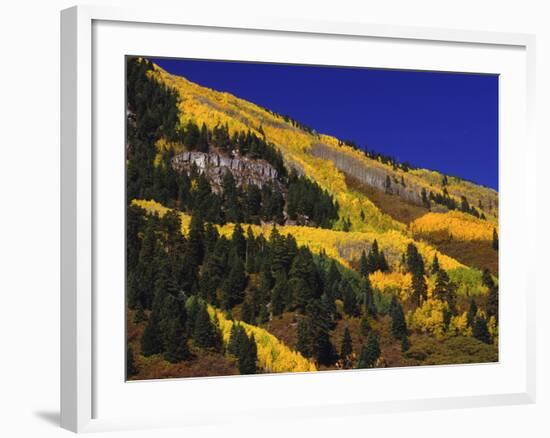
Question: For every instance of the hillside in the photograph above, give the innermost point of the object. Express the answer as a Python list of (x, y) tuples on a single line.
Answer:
[(256, 244)]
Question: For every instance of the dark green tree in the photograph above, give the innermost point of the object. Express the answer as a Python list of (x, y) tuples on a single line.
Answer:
[(370, 352), (151, 340), (398, 325), (346, 348), (495, 239), (480, 330)]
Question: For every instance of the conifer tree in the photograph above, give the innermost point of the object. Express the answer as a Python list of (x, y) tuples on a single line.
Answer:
[(444, 290), (151, 340), (248, 355), (247, 313), (492, 296), (305, 338), (365, 326), (131, 369), (204, 334), (405, 344), (238, 241), (398, 326), (202, 144), (236, 337), (346, 348), (370, 352), (419, 289), (326, 354), (195, 241), (235, 284), (176, 343), (435, 265), (350, 300), (368, 297), (472, 312), (363, 264), (278, 294), (495, 239), (480, 330)]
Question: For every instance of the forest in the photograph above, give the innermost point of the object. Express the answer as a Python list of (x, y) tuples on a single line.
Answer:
[(302, 273)]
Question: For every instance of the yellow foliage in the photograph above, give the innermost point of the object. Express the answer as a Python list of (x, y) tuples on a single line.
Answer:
[(459, 325), (204, 105), (392, 281), (273, 355), (459, 225), (429, 318), (340, 245)]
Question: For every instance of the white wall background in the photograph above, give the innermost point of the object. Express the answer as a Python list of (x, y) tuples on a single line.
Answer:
[(29, 215)]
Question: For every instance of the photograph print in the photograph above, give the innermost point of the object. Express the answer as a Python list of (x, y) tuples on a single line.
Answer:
[(298, 218)]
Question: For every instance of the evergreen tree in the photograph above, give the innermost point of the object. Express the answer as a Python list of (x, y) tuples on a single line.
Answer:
[(248, 355), (326, 354), (278, 294), (363, 264), (151, 340), (247, 313), (350, 300), (346, 348), (480, 330), (472, 312), (305, 338), (419, 289), (370, 352), (231, 204), (204, 334), (444, 290), (435, 265), (368, 297), (202, 144), (238, 241), (495, 239), (131, 369), (237, 337), (195, 241), (235, 284), (139, 315), (492, 296), (176, 343), (398, 326), (365, 326), (405, 344)]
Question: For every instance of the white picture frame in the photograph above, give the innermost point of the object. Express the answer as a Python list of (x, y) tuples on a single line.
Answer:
[(80, 175)]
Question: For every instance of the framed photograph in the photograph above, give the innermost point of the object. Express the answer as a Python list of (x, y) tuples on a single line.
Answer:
[(256, 208)]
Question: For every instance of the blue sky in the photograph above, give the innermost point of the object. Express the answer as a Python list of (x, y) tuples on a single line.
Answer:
[(441, 121)]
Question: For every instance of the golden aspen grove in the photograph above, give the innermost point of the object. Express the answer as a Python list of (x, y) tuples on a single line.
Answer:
[(255, 244)]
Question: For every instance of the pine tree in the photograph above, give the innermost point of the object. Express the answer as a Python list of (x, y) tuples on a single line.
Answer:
[(480, 330), (492, 296), (405, 344), (365, 326), (195, 241), (236, 337), (235, 284), (363, 264), (472, 312), (204, 334), (238, 241), (419, 289), (131, 369), (435, 265), (326, 354), (370, 352), (139, 315), (398, 326), (444, 290), (248, 355), (176, 343), (151, 340), (247, 313), (278, 294), (346, 348), (202, 144), (305, 335), (350, 300), (368, 297)]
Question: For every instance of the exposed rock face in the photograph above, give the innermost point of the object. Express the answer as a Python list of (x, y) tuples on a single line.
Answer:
[(368, 175), (245, 170)]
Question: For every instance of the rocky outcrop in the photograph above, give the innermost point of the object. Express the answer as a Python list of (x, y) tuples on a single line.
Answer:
[(245, 170), (372, 176)]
